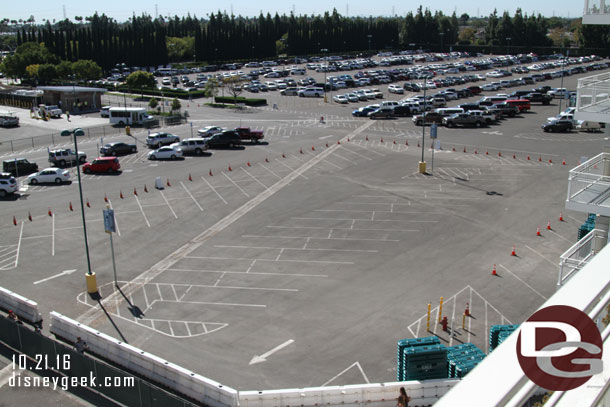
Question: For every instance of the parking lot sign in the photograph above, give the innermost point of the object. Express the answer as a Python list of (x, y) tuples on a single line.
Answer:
[(109, 225), (433, 130)]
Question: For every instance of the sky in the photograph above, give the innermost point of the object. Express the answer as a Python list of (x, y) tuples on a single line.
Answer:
[(121, 10)]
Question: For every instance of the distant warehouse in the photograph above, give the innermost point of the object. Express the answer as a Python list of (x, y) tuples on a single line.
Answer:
[(75, 99)]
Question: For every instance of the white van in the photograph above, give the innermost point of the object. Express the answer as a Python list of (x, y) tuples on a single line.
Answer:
[(191, 145), (389, 103), (311, 92), (448, 111), (127, 116)]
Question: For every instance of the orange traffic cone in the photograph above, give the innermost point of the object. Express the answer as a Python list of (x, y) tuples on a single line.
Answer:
[(230, 169), (407, 143), (548, 226), (513, 253), (514, 156), (327, 145), (50, 213), (528, 157), (486, 152), (476, 152), (464, 149), (121, 194), (499, 154), (283, 155), (394, 141), (367, 138), (105, 198), (453, 149), (88, 204), (381, 140), (267, 160), (135, 192), (29, 216), (14, 221), (561, 217), (550, 161), (190, 178), (145, 189), (539, 159), (301, 151), (348, 139), (71, 208), (210, 173), (167, 183), (467, 310), (418, 144), (493, 271), (248, 164), (538, 231), (313, 148), (563, 162), (338, 141)]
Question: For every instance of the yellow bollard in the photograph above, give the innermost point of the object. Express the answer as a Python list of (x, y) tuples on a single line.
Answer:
[(91, 283), (464, 320), (428, 320), (440, 311)]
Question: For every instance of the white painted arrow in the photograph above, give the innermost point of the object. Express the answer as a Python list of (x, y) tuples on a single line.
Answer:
[(63, 273), (263, 358)]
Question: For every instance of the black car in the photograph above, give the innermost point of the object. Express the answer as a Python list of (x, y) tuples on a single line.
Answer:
[(114, 149), (227, 138), (558, 125), (537, 97), (19, 167)]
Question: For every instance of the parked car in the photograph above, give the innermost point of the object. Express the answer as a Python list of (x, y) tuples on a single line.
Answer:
[(362, 112), (505, 109), (8, 184), (537, 97), (49, 175), (559, 125), (463, 119), (382, 112), (65, 156), (428, 118), (102, 165), (396, 89), (191, 146), (340, 99), (165, 153), (114, 149), (245, 133), (227, 138), (523, 105), (105, 111), (209, 130), (156, 140), (19, 166)]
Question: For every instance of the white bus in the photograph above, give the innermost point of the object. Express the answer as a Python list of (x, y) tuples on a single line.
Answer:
[(127, 116)]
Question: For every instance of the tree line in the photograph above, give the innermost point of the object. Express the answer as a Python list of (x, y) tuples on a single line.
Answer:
[(144, 41)]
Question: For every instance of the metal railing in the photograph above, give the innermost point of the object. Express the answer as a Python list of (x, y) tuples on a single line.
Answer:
[(577, 256), (589, 188), (596, 7), (593, 94)]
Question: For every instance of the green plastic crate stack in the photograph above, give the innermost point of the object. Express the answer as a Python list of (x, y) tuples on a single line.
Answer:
[(413, 342), (494, 333), (462, 359), (588, 226), (425, 362)]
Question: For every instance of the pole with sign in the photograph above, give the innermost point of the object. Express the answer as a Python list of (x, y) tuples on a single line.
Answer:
[(110, 227), (433, 136)]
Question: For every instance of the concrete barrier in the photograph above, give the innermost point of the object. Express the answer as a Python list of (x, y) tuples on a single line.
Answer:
[(150, 366), (25, 309), (214, 394)]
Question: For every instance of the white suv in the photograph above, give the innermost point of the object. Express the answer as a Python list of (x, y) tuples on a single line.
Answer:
[(156, 140), (65, 156), (8, 184), (191, 145)]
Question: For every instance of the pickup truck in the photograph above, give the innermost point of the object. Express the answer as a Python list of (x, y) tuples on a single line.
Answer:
[(488, 116), (537, 97), (463, 119), (255, 136), (65, 156), (50, 111)]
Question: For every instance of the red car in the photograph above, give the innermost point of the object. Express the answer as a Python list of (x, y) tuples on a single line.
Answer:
[(102, 165)]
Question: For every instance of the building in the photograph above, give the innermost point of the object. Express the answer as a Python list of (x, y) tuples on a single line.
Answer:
[(75, 99)]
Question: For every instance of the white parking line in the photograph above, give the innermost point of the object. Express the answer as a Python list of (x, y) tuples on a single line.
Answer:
[(268, 260), (191, 195), (53, 235), (271, 172), (291, 169), (213, 189), (369, 220), (254, 178), (238, 187), (519, 278), (168, 205), (541, 255), (142, 210), (358, 154), (318, 238), (255, 273), (334, 165), (295, 248)]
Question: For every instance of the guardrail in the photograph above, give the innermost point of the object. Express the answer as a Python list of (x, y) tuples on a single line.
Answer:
[(589, 188), (577, 256)]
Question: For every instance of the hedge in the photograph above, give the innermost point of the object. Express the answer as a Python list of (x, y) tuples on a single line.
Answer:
[(181, 94), (246, 101)]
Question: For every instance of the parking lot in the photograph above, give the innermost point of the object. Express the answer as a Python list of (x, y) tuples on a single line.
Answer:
[(315, 250)]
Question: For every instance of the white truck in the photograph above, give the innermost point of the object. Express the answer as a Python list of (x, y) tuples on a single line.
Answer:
[(52, 111), (65, 156)]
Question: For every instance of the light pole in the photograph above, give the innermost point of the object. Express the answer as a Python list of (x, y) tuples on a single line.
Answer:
[(422, 163), (508, 45), (369, 37), (90, 277), (325, 50), (563, 65), (441, 35)]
